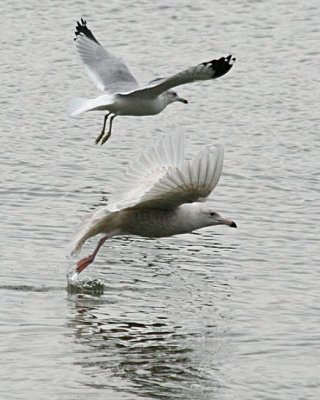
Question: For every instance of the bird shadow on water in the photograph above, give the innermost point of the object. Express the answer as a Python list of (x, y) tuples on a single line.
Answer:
[(132, 355)]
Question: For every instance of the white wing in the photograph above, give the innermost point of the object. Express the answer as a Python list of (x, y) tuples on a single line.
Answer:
[(161, 180), (166, 154), (208, 70), (106, 71)]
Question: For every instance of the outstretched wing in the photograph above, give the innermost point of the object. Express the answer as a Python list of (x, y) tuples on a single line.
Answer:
[(207, 70), (106, 71), (161, 180), (165, 155)]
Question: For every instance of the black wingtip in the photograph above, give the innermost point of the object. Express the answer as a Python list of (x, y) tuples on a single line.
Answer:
[(82, 29), (221, 66)]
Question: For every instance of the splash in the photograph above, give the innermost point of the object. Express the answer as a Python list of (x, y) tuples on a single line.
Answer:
[(88, 285)]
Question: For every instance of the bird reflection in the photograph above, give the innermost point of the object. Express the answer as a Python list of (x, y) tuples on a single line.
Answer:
[(147, 358)]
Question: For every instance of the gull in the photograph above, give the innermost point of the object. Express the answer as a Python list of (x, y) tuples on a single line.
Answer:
[(122, 95), (163, 197)]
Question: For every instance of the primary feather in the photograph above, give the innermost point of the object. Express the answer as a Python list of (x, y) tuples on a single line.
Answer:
[(107, 72), (205, 71)]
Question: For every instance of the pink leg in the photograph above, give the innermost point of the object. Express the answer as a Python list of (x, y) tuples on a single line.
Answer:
[(84, 262)]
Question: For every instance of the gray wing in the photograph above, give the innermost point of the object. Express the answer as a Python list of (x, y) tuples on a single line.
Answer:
[(207, 70), (106, 71)]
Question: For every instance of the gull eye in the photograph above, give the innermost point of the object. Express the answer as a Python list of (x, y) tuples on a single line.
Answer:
[(213, 214)]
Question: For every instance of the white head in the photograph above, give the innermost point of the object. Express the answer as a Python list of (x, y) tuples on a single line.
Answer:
[(200, 215), (172, 96)]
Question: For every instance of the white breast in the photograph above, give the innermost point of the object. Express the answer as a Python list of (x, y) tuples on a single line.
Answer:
[(137, 106)]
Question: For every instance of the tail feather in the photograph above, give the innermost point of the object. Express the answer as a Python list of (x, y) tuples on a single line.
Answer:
[(84, 233), (78, 106), (89, 228)]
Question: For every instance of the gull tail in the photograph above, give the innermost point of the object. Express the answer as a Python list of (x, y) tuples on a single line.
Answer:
[(90, 227), (84, 233), (80, 105)]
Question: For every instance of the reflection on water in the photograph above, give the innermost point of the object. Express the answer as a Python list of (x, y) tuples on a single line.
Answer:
[(159, 328), (152, 358)]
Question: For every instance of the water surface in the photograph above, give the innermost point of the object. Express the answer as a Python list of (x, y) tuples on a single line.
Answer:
[(219, 314)]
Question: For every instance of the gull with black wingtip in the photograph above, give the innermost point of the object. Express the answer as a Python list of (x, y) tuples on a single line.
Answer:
[(122, 95)]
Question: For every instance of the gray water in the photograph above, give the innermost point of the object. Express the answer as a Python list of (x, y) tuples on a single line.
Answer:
[(218, 314)]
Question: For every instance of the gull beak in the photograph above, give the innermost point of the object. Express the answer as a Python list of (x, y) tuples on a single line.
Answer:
[(232, 224), (184, 101)]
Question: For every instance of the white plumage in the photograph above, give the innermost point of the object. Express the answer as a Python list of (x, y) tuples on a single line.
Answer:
[(157, 188), (122, 93)]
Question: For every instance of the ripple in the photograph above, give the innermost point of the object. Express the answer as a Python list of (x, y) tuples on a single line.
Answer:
[(219, 314)]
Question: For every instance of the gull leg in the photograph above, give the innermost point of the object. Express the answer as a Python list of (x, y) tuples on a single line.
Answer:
[(84, 262), (109, 131), (103, 128)]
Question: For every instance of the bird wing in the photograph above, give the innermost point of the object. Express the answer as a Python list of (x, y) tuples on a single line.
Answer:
[(162, 180), (207, 70), (107, 72), (166, 154)]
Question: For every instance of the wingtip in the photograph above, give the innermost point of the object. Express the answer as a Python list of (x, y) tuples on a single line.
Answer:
[(230, 59), (83, 30), (221, 66), (80, 27), (219, 148)]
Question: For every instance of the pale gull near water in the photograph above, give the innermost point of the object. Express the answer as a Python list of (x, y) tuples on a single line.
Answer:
[(158, 186), (122, 93)]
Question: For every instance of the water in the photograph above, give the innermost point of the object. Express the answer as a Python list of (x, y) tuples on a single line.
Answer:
[(219, 314)]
